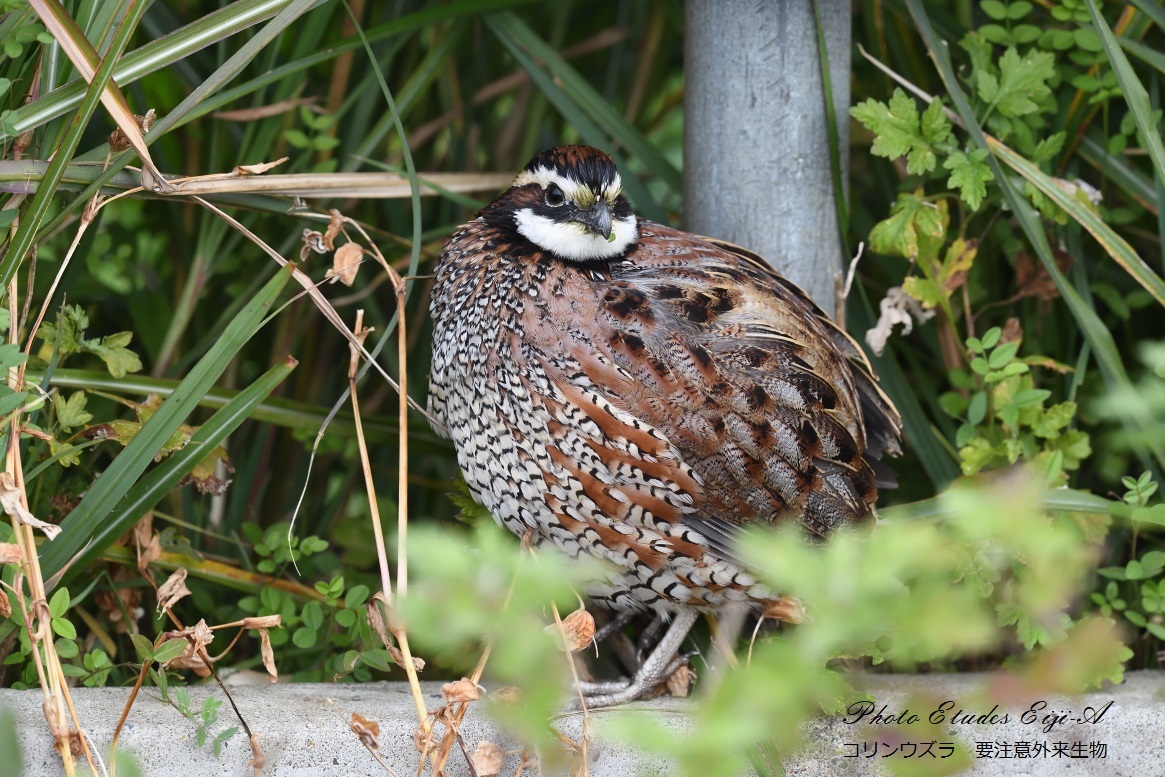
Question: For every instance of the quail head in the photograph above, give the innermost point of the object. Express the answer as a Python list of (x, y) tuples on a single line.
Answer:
[(622, 389)]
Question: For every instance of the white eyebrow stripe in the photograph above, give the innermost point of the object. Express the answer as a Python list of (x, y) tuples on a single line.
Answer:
[(544, 176)]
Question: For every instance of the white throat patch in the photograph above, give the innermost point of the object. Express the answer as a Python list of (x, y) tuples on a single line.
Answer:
[(572, 240)]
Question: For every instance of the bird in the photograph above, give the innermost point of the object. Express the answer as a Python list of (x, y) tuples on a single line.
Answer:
[(622, 389)]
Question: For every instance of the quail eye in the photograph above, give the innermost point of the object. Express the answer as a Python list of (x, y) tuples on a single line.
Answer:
[(554, 195)]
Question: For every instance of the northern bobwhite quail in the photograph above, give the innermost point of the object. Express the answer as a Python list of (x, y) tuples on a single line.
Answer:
[(627, 390)]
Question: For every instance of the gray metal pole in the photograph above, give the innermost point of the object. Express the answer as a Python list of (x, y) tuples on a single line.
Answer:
[(756, 148)]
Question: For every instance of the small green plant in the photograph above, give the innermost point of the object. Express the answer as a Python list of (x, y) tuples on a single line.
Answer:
[(316, 139), (1005, 419), (204, 719), (277, 549)]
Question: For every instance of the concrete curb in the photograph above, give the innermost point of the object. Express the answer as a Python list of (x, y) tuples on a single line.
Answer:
[(302, 736)]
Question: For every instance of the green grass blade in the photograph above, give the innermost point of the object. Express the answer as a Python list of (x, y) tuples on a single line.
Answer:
[(1150, 57), (1152, 9), (33, 216), (589, 99), (1054, 499), (525, 47), (157, 483), (1113, 244), (1133, 91), (300, 416), (839, 203), (1132, 181), (1093, 329), (151, 57), (88, 520)]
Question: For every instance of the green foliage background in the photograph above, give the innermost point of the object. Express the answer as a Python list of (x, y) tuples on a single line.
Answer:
[(1034, 271)]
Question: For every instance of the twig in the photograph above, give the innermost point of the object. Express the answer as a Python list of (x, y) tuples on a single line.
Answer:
[(390, 619)]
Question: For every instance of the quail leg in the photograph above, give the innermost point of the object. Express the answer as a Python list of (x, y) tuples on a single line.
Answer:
[(656, 669)]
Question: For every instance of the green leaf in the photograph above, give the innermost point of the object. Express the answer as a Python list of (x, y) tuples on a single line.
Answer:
[(976, 455), (313, 615), (71, 412), (59, 602), (63, 628), (898, 132), (143, 647), (899, 233), (994, 8), (1053, 419), (1002, 355), (1018, 10), (1049, 148), (1154, 515), (118, 359), (170, 649), (969, 175), (936, 127), (977, 410), (1022, 82), (304, 637), (924, 290)]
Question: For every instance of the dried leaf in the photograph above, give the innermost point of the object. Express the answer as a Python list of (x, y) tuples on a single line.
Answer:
[(399, 658), (264, 111), (12, 500), (896, 308), (146, 542), (268, 655), (5, 605), (508, 694), (679, 684), (335, 226), (488, 759), (345, 263), (578, 629), (173, 589), (313, 242), (367, 730), (1033, 280), (263, 622), (1012, 331), (375, 620), (464, 690), (258, 169), (787, 609), (10, 553), (197, 637)]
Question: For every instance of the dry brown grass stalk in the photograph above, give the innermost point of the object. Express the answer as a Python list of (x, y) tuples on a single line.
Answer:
[(51, 678)]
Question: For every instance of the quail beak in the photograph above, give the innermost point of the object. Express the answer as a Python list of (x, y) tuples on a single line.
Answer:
[(597, 219)]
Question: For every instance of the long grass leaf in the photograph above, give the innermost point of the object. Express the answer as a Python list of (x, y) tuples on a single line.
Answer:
[(1132, 90), (151, 57), (1054, 499), (1152, 9), (87, 520), (1132, 181), (33, 216), (147, 491), (509, 31), (289, 414), (1150, 57), (199, 102), (589, 99), (1113, 244)]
